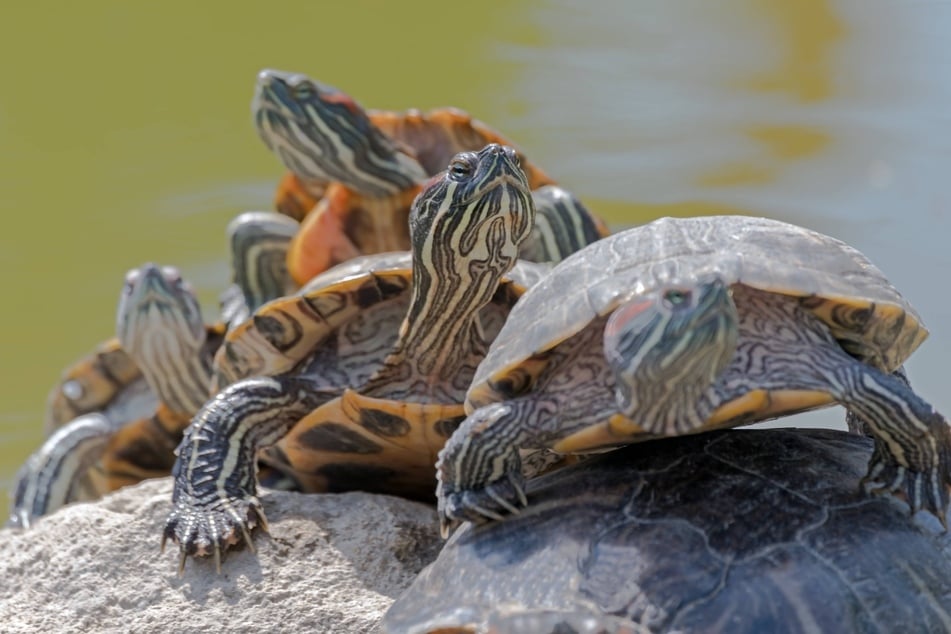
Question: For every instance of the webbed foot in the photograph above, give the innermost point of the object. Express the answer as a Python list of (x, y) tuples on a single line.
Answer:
[(494, 501), (926, 489), (210, 528)]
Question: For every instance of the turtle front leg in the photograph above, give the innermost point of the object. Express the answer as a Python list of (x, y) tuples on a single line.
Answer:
[(479, 475), (855, 423), (50, 476), (912, 456), (215, 503)]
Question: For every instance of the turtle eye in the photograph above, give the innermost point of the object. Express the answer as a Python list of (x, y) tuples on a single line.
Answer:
[(675, 297), (459, 169), (301, 91)]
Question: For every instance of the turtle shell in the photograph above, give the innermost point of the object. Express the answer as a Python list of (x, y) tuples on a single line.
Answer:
[(734, 531), (106, 427), (107, 381), (284, 332), (354, 173), (433, 137), (868, 316)]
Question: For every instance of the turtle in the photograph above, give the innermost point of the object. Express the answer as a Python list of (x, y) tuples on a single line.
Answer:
[(738, 530), (684, 325), (132, 398), (109, 382), (364, 168), (258, 244), (160, 329), (355, 382)]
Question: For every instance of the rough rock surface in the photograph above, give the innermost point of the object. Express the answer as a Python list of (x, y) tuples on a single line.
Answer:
[(332, 563)]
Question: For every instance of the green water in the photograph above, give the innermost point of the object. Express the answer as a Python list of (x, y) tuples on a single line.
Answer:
[(125, 135)]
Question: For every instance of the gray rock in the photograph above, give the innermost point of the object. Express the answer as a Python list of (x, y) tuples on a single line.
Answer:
[(332, 563)]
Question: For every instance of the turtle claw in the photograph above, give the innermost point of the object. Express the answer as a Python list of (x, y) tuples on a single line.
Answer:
[(926, 490), (446, 526), (493, 502), (201, 530)]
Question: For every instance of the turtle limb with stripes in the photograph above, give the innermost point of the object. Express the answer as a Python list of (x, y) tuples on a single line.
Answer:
[(160, 329), (116, 416), (357, 381), (685, 325)]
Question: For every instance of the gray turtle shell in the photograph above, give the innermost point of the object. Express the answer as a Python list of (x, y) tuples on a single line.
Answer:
[(845, 289), (736, 531)]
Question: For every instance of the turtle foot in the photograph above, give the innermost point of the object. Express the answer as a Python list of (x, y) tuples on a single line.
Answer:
[(494, 501), (203, 529), (926, 489)]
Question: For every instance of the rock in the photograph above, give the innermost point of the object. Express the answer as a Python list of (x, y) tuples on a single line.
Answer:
[(332, 563)]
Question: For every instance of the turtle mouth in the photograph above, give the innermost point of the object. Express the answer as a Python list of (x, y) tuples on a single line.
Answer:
[(502, 185)]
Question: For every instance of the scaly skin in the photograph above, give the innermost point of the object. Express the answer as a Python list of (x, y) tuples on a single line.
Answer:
[(381, 160), (336, 424)]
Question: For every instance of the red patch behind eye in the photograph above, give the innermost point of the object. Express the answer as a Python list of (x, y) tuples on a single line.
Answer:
[(345, 100), (623, 315)]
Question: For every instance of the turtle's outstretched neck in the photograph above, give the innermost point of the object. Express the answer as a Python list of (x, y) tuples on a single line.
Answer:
[(295, 357)]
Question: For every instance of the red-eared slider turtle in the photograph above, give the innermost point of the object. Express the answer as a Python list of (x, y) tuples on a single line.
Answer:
[(357, 381), (684, 325), (258, 241), (736, 531), (364, 168), (109, 382), (131, 399), (160, 328)]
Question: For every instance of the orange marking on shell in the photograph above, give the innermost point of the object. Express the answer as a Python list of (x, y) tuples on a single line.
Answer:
[(759, 405), (410, 455), (343, 99), (292, 197), (142, 449), (616, 430), (322, 241)]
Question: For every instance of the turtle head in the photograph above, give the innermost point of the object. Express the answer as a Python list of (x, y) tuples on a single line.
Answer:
[(323, 135), (159, 324), (259, 243), (465, 228), (666, 348), (476, 213)]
